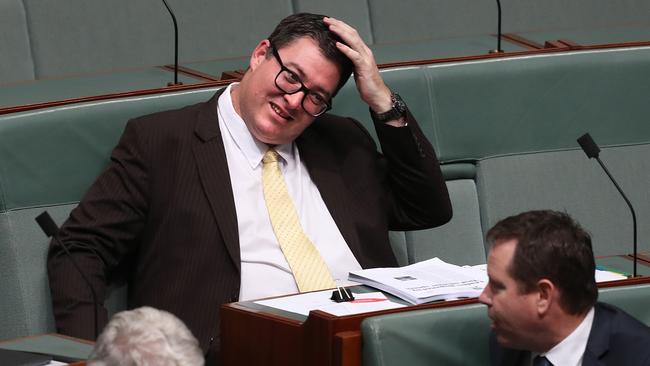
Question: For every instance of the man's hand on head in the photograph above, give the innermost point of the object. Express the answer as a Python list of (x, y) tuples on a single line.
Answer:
[(370, 84)]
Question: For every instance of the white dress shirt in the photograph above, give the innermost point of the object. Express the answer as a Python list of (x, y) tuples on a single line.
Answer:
[(264, 269), (571, 350)]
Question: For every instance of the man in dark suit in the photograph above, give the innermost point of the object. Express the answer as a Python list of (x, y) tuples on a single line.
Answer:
[(542, 296), (180, 211)]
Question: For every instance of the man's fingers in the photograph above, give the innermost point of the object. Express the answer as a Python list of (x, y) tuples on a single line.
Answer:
[(349, 52), (348, 34)]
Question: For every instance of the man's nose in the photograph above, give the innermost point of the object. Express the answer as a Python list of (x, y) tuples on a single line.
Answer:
[(485, 298), (294, 101)]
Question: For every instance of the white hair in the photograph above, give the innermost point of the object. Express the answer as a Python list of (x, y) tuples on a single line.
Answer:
[(146, 337)]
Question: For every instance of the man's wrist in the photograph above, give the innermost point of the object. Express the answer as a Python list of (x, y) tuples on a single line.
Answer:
[(395, 113)]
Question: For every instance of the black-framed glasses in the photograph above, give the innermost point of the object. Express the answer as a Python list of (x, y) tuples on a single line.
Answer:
[(289, 82)]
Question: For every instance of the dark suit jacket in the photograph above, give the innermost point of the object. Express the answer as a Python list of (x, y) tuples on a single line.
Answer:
[(615, 339), (163, 212)]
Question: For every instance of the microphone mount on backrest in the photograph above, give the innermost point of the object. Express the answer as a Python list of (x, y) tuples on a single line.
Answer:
[(592, 150), (498, 49), (175, 45)]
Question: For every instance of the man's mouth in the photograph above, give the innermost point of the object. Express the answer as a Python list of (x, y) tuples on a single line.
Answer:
[(279, 111)]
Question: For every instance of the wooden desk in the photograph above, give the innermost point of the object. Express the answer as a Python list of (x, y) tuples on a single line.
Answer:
[(253, 334)]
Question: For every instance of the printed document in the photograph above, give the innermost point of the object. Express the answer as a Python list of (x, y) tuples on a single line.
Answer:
[(425, 281)]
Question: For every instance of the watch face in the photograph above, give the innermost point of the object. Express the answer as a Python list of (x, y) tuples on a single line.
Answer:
[(398, 103), (398, 110)]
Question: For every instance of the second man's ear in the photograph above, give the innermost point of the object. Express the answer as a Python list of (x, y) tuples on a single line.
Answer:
[(546, 295)]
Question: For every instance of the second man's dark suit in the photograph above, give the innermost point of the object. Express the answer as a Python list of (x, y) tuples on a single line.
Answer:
[(163, 212), (616, 339)]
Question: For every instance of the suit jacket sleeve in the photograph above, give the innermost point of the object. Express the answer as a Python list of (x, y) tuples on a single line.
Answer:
[(417, 189), (99, 233)]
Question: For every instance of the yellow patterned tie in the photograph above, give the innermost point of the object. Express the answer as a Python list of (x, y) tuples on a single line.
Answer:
[(308, 267)]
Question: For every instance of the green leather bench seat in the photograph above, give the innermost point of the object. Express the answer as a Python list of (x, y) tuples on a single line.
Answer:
[(458, 336), (48, 159)]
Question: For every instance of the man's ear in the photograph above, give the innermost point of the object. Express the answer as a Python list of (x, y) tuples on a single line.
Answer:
[(259, 54), (546, 296)]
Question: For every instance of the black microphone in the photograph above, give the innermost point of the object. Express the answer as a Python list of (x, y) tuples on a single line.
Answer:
[(498, 50), (175, 45), (592, 150), (50, 229)]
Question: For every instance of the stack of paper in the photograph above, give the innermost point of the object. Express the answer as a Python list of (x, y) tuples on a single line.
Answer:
[(425, 281)]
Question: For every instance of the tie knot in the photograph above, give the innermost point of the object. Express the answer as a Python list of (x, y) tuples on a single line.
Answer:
[(541, 361), (271, 156)]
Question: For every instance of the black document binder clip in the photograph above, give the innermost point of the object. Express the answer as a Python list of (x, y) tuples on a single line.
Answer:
[(342, 294)]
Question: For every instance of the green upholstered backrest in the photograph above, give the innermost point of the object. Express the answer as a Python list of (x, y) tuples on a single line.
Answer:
[(540, 103), (48, 159), (354, 13), (454, 336), (15, 60), (476, 109), (461, 240), (394, 21), (51, 156), (458, 336), (635, 300), (566, 180), (25, 304)]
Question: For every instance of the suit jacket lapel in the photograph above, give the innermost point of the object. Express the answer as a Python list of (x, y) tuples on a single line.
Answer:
[(598, 343), (212, 165), (325, 173)]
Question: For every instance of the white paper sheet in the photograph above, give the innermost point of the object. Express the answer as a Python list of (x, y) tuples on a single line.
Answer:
[(320, 300)]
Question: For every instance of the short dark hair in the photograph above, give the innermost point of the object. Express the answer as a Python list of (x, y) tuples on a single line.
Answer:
[(551, 245), (300, 25)]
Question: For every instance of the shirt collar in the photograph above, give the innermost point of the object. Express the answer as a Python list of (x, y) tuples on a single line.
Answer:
[(252, 148), (572, 348)]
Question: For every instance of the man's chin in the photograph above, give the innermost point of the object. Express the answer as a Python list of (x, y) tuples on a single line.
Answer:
[(508, 341), (501, 338), (270, 137)]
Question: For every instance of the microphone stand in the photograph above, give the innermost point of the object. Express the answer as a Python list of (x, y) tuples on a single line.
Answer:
[(175, 45), (592, 150), (498, 49), (629, 204)]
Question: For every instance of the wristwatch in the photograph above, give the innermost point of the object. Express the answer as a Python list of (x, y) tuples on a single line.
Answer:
[(398, 110)]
